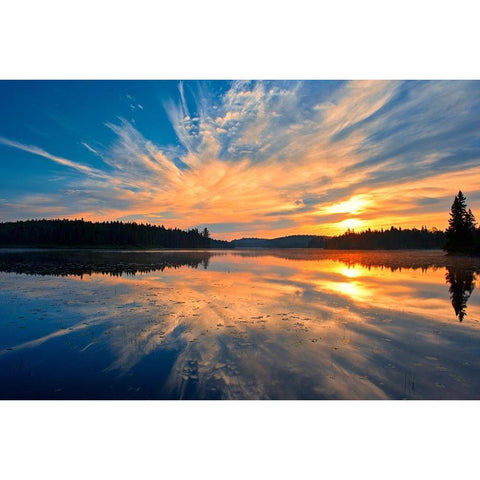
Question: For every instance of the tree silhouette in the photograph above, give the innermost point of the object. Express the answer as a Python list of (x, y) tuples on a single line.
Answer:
[(461, 231), (462, 283), (470, 220), (108, 262), (80, 233), (391, 239)]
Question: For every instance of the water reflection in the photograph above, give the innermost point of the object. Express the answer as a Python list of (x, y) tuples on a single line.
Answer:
[(108, 262), (243, 324), (462, 283)]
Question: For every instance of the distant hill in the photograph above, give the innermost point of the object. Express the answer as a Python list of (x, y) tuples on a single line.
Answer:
[(291, 241)]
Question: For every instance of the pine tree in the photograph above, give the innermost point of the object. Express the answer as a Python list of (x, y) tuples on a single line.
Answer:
[(471, 223), (461, 227)]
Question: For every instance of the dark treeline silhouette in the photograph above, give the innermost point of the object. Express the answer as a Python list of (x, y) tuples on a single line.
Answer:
[(462, 234), (80, 233), (461, 237), (392, 239), (86, 262)]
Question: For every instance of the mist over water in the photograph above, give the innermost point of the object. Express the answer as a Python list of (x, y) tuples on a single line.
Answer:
[(246, 324)]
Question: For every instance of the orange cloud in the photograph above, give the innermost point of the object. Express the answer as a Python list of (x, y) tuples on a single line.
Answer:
[(265, 166)]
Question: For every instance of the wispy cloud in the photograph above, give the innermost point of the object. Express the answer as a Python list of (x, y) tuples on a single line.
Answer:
[(89, 148), (273, 158), (60, 160)]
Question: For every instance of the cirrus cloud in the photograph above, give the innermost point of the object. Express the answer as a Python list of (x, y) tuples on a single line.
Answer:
[(276, 158)]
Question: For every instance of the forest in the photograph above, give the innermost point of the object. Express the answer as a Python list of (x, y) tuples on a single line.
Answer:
[(392, 239), (462, 234), (80, 233), (461, 237)]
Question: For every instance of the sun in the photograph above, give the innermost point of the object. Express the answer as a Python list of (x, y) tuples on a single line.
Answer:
[(351, 223)]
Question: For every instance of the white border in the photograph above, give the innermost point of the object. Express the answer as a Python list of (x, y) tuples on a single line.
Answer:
[(239, 440), (251, 39), (248, 39)]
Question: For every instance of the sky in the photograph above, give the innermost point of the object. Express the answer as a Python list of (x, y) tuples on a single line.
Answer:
[(242, 158)]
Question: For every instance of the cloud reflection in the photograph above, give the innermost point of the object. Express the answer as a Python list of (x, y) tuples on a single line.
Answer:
[(266, 325)]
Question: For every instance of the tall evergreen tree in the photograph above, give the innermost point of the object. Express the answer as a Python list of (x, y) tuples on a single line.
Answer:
[(470, 221), (461, 227)]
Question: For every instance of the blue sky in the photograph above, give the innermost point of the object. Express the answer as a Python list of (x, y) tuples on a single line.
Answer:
[(242, 158)]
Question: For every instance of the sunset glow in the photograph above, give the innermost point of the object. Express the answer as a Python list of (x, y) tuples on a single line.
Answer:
[(351, 224), (242, 158), (353, 206)]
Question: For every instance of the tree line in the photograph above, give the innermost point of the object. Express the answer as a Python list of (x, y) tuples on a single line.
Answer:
[(116, 234), (461, 237), (391, 239)]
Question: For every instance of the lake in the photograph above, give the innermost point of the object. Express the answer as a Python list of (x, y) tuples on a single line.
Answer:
[(238, 324)]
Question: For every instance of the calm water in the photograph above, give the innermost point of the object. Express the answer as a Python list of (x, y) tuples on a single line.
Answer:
[(249, 324)]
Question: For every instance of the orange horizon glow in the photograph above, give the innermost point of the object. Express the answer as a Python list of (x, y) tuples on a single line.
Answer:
[(329, 175), (358, 215)]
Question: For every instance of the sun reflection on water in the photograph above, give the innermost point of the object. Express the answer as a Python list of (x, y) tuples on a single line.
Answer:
[(263, 325), (351, 272)]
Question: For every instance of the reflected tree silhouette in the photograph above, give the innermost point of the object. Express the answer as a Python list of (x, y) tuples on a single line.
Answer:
[(462, 283), (460, 271), (88, 262)]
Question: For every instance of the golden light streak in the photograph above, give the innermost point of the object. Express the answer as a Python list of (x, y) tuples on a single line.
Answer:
[(291, 191), (353, 206)]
